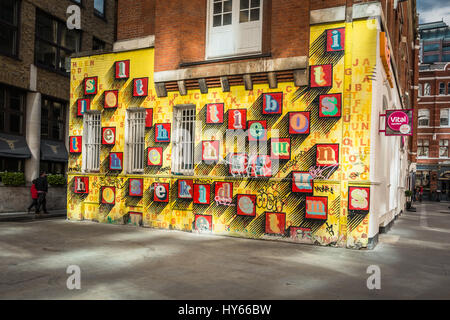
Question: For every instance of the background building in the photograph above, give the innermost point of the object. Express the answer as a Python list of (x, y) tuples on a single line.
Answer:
[(315, 74), (431, 141), (35, 46)]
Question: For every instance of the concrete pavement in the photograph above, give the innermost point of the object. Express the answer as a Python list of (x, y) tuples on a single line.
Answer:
[(126, 262)]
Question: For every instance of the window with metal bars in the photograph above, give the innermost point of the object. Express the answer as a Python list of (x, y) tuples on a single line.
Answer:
[(183, 140), (135, 140), (92, 141)]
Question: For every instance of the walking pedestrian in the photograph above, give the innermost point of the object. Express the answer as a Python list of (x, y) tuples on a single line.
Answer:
[(42, 189), (34, 196)]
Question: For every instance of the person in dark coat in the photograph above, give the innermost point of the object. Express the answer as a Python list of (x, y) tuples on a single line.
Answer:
[(42, 189), (34, 197)]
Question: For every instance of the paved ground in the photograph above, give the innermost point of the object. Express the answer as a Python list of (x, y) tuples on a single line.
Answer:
[(125, 262)]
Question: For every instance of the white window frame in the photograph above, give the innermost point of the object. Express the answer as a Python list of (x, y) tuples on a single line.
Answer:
[(443, 145), (134, 160), (426, 89), (183, 144), (427, 117), (448, 117), (441, 84), (92, 140), (421, 144), (237, 31)]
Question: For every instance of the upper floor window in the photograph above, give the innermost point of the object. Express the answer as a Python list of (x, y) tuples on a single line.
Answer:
[(92, 141), (420, 90), (234, 27), (448, 88), (444, 117), (53, 119), (135, 140), (12, 103), (9, 21), (441, 88), (423, 148), (426, 89), (99, 7), (97, 44), (424, 118), (443, 148), (54, 42)]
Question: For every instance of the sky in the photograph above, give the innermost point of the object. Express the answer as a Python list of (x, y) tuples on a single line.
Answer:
[(433, 10)]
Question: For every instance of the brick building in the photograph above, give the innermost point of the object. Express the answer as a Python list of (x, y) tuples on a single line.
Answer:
[(310, 78), (35, 47), (433, 131)]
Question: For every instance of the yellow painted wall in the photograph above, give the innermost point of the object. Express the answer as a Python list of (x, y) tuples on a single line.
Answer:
[(352, 73)]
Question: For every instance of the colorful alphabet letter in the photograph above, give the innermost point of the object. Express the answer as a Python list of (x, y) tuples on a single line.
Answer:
[(162, 132), (214, 113), (185, 189), (237, 119), (161, 192), (272, 103), (116, 161), (210, 150), (111, 99), (148, 117), (358, 200), (155, 156), (335, 39), (223, 192), (81, 185), (122, 69), (302, 182), (327, 155), (275, 223), (83, 105), (246, 205), (140, 87), (108, 195), (203, 223), (237, 163), (299, 122), (321, 76), (75, 144), (330, 105), (280, 148), (136, 188), (316, 208), (90, 86), (202, 193), (109, 136), (257, 130)]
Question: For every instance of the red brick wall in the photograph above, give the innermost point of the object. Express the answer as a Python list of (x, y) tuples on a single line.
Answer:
[(135, 18)]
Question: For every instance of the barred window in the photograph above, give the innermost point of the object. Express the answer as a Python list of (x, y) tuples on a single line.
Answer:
[(443, 148), (423, 147), (136, 140), (183, 143), (92, 141), (444, 117)]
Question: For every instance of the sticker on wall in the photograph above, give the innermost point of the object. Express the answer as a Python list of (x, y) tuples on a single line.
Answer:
[(330, 105), (301, 234), (161, 192), (335, 39), (148, 117), (237, 119), (136, 188), (210, 150), (83, 105), (246, 205), (237, 163), (122, 69), (257, 130), (280, 148), (185, 189), (155, 156), (111, 99), (358, 200), (214, 113), (317, 208), (81, 185), (272, 103), (321, 76), (202, 193), (108, 195), (261, 166), (109, 136), (302, 182), (115, 161), (203, 223), (75, 143), (299, 122), (162, 132), (140, 87), (275, 223), (90, 86), (223, 193), (327, 155)]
